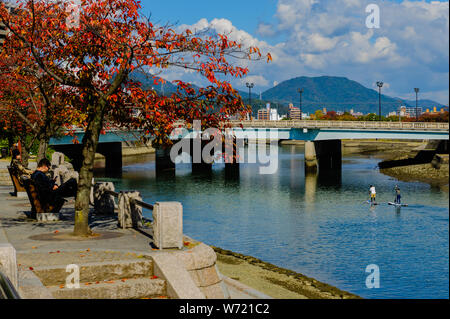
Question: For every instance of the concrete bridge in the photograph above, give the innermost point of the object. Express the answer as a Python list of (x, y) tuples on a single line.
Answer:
[(322, 139)]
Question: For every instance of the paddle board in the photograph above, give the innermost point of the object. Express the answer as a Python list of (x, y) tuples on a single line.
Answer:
[(398, 205)]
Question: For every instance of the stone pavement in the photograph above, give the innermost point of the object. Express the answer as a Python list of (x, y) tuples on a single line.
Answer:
[(48, 246)]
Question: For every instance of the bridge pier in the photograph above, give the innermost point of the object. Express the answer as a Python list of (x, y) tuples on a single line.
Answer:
[(323, 155), (112, 152), (310, 158), (163, 162), (201, 160), (230, 148), (113, 157)]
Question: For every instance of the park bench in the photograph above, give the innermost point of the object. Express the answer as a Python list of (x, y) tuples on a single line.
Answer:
[(40, 210), (19, 190)]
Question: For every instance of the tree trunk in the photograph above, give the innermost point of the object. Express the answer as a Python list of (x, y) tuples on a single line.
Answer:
[(25, 156), (43, 146), (90, 142)]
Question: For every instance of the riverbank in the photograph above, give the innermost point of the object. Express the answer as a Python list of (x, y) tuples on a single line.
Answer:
[(277, 282)]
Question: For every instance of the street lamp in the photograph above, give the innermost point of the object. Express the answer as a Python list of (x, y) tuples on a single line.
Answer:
[(250, 86), (379, 84), (300, 91), (417, 91)]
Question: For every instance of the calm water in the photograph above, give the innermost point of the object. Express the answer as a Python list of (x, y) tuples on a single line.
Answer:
[(321, 227)]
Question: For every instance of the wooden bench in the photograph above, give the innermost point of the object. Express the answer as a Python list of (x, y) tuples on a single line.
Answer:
[(19, 190), (40, 210)]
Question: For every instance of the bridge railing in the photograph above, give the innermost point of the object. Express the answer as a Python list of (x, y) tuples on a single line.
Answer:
[(344, 124)]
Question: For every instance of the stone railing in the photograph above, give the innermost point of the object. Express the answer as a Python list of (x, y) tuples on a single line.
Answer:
[(167, 216), (190, 270), (343, 124)]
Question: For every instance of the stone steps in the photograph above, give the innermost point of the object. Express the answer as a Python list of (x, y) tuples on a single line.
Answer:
[(96, 271), (119, 289), (111, 279)]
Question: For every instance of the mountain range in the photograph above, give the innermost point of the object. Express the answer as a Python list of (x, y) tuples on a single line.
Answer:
[(338, 94), (330, 92)]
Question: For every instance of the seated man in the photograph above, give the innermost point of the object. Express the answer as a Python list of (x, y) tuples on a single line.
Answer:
[(17, 166), (47, 188)]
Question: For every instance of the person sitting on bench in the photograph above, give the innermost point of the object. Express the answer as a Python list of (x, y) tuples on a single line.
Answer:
[(17, 166), (47, 188)]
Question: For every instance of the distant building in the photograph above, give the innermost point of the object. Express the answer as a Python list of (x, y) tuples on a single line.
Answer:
[(435, 111), (392, 113), (263, 114), (294, 112), (324, 111), (409, 111), (273, 115), (356, 114)]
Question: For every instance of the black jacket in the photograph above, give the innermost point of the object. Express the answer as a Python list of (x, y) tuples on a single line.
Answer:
[(44, 185)]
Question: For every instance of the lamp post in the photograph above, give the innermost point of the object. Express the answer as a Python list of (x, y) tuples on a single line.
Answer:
[(301, 113), (250, 86), (417, 91), (379, 84)]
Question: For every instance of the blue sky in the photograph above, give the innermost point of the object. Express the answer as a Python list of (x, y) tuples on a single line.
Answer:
[(329, 37)]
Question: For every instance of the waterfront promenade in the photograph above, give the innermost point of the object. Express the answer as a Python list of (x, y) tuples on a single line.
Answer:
[(112, 265)]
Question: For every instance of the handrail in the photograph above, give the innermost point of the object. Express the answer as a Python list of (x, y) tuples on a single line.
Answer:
[(343, 124), (134, 201), (7, 290)]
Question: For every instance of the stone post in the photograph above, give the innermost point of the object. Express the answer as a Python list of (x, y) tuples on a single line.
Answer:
[(57, 159), (8, 263), (168, 225), (130, 214), (103, 202)]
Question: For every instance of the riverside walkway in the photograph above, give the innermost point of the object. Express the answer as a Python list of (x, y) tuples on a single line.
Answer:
[(116, 263)]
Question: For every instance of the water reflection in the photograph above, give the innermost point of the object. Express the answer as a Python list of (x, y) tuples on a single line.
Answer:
[(319, 225)]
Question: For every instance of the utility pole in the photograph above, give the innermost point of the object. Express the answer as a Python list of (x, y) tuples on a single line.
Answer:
[(417, 114), (250, 86), (301, 112), (379, 84)]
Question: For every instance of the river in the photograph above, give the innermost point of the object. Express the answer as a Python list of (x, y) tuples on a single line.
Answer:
[(321, 227)]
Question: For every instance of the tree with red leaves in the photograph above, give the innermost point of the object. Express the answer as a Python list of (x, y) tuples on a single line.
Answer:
[(30, 104), (92, 59)]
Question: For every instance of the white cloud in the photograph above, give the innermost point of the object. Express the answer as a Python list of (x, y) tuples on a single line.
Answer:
[(257, 80), (410, 49), (266, 30)]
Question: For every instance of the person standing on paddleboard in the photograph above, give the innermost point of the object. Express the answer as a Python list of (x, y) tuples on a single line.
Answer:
[(397, 193), (373, 193)]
